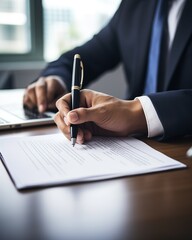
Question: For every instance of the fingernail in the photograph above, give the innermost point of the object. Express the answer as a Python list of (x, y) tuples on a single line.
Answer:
[(41, 108), (73, 116)]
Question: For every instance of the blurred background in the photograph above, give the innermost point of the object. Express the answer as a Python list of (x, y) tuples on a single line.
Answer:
[(34, 32)]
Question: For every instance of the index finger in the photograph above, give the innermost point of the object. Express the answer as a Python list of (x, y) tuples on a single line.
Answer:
[(41, 94), (63, 104), (29, 97)]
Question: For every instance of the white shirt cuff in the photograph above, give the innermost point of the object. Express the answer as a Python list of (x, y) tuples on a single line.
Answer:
[(154, 125)]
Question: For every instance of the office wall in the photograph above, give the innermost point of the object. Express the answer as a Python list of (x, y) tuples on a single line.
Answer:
[(112, 82)]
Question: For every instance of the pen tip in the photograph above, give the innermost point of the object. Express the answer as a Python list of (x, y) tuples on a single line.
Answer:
[(73, 140)]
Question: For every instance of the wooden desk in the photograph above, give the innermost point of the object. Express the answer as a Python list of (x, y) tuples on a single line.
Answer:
[(153, 206)]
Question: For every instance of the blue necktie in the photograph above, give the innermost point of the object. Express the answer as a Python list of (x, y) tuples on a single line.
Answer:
[(154, 51)]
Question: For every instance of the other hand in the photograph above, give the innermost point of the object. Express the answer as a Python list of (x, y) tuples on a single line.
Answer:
[(43, 94)]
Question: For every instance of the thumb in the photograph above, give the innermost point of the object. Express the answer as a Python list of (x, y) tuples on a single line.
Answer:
[(82, 115)]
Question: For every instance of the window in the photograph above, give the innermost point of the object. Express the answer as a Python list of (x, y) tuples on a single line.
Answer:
[(21, 30), (70, 23), (43, 29), (14, 25)]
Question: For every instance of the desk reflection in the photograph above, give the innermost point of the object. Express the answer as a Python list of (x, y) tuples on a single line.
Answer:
[(96, 211), (83, 212)]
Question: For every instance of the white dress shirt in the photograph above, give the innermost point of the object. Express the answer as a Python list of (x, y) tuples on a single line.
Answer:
[(154, 125)]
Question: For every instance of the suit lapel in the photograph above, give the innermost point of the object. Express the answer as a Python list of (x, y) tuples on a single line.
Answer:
[(183, 33)]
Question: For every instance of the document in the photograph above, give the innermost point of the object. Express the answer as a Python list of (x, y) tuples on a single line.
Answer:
[(47, 160)]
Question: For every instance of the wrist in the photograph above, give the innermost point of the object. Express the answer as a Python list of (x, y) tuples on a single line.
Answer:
[(138, 123)]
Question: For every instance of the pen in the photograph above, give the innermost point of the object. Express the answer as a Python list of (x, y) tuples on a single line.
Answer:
[(77, 81)]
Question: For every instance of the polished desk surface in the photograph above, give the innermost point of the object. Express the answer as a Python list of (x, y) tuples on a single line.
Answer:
[(151, 206)]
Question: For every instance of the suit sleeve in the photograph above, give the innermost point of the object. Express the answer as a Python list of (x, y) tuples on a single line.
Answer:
[(174, 109), (99, 54)]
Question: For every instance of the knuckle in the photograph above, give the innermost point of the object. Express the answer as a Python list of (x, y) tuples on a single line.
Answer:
[(40, 87), (58, 102), (102, 110), (41, 80), (40, 84), (30, 90)]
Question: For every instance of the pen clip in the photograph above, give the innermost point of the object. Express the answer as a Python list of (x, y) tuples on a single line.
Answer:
[(82, 75)]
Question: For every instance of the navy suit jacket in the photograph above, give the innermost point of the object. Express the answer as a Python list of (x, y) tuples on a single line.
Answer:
[(125, 40)]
